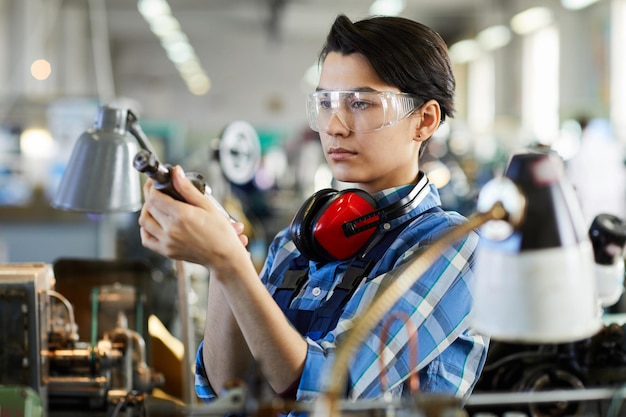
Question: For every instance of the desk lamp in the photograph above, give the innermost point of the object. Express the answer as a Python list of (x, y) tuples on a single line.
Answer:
[(535, 282), (102, 176), (99, 177)]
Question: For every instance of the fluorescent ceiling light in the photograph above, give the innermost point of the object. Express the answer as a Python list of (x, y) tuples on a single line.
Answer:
[(153, 8), (166, 27), (494, 37), (464, 51), (576, 4), (531, 20), (189, 67), (180, 53), (198, 84), (387, 7)]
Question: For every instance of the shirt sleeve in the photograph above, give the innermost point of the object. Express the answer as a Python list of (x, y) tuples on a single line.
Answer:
[(203, 387)]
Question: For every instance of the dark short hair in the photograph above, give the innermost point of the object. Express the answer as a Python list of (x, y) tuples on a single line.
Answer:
[(404, 53)]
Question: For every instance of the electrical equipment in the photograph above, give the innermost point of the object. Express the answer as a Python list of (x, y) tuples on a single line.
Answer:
[(24, 315), (40, 347)]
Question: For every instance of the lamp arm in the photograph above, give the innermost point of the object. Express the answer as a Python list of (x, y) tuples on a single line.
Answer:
[(135, 129), (328, 403)]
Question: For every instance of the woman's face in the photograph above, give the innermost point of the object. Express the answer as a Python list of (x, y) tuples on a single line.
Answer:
[(374, 160)]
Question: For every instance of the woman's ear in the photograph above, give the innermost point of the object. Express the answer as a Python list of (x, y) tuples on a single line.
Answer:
[(429, 121)]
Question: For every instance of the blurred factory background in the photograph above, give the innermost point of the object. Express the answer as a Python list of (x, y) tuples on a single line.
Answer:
[(546, 74), (527, 72)]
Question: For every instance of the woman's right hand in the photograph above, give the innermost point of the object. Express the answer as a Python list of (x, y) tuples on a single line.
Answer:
[(195, 230)]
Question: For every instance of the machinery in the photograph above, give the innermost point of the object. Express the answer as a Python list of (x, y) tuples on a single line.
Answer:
[(590, 363), (40, 347)]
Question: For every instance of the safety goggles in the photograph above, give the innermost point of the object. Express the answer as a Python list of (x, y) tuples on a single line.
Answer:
[(359, 111)]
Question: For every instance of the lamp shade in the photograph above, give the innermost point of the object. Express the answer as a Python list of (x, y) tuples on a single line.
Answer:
[(537, 285), (100, 177)]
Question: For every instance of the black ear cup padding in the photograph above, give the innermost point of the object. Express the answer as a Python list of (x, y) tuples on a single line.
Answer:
[(301, 227)]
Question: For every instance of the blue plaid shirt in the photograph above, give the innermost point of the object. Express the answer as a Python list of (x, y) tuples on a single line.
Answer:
[(450, 355)]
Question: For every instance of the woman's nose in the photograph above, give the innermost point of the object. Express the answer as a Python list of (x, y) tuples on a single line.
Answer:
[(336, 125)]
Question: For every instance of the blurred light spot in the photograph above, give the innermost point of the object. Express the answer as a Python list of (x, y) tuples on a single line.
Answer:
[(531, 20), (494, 37), (167, 28), (36, 143), (311, 78), (438, 173), (323, 178), (387, 7), (576, 4), (40, 69), (567, 144), (464, 51)]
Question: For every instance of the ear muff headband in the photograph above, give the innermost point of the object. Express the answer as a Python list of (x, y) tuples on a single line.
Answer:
[(392, 211), (335, 225)]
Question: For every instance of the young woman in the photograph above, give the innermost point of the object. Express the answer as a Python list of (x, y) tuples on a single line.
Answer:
[(385, 87)]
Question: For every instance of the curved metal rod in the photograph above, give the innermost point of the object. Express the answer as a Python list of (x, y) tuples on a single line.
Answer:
[(326, 404), (414, 382), (70, 313)]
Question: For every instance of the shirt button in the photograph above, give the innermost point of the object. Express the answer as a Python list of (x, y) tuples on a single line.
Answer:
[(316, 291), (386, 226)]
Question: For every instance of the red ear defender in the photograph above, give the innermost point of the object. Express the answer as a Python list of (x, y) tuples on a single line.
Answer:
[(335, 225), (329, 231), (318, 228)]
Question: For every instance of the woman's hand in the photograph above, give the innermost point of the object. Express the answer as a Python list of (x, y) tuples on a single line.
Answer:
[(194, 231)]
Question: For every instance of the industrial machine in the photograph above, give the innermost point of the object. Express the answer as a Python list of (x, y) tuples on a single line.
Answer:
[(40, 346), (590, 363)]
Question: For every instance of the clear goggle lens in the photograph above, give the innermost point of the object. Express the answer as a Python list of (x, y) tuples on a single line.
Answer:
[(359, 111)]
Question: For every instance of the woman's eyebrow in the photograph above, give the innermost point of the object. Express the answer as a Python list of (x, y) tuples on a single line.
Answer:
[(355, 90)]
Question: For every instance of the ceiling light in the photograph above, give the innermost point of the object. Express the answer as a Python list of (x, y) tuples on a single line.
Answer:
[(188, 67), (176, 44), (36, 143), (180, 52), (40, 69), (531, 20), (198, 84), (152, 8), (576, 4), (164, 25), (387, 7), (464, 51), (172, 38), (494, 37)]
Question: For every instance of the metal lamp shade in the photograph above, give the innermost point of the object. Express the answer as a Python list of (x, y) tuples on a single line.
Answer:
[(538, 284), (100, 177)]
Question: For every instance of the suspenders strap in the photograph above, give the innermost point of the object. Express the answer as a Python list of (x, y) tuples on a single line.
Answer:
[(352, 277)]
